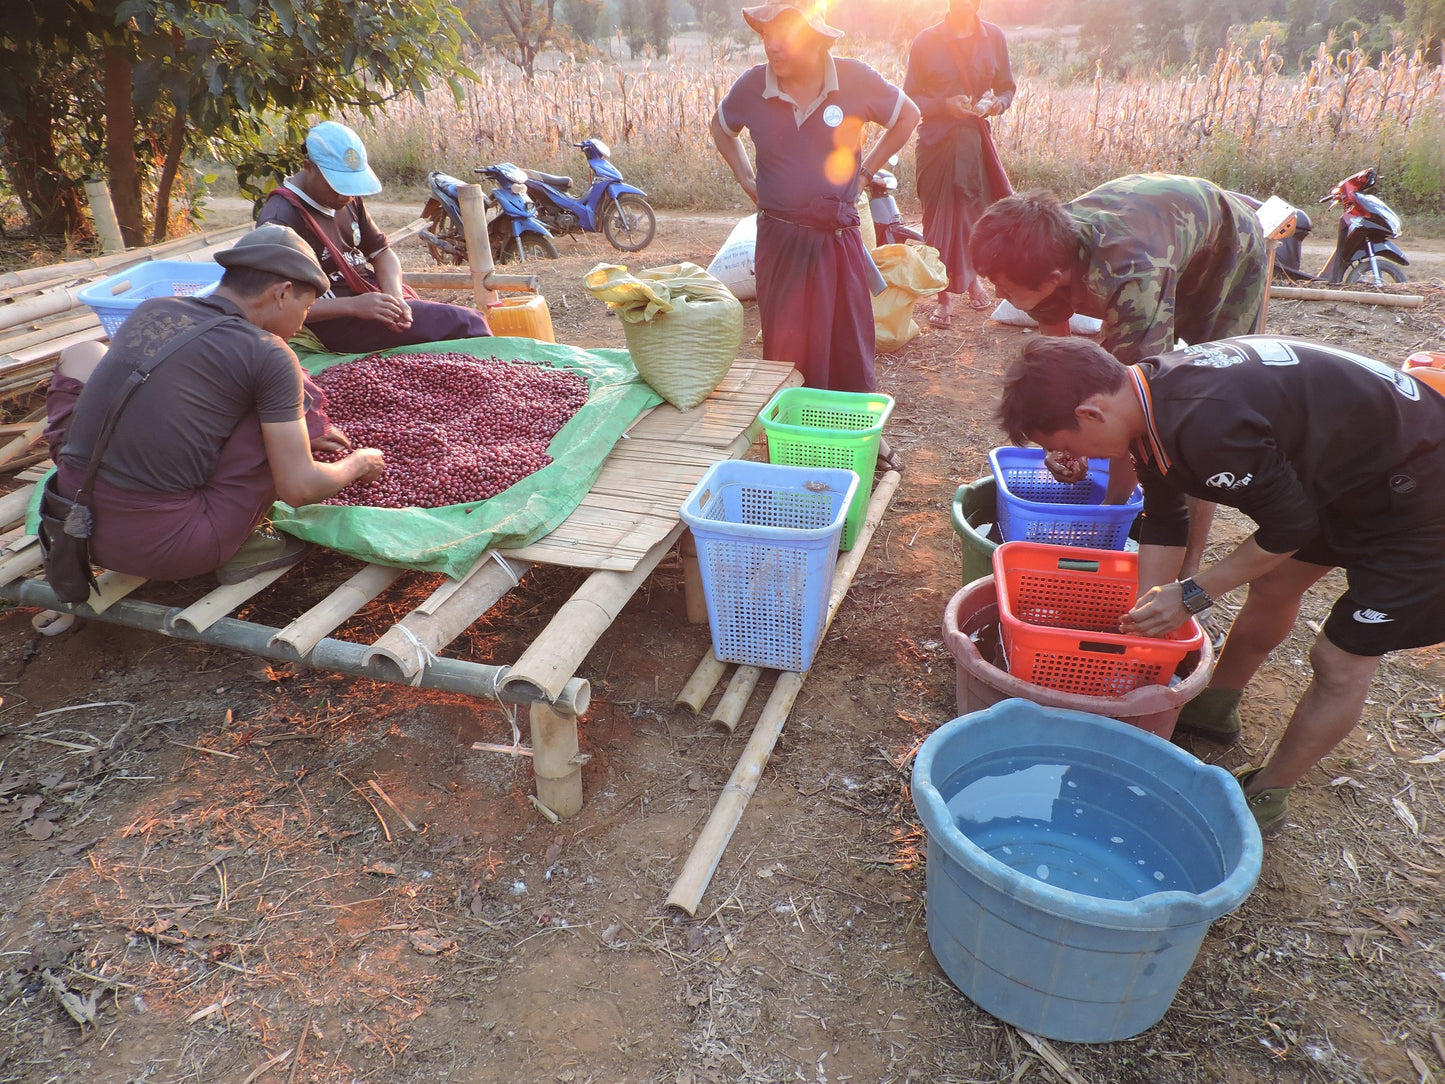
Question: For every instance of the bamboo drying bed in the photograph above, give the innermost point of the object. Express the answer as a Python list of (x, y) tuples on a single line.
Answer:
[(623, 527)]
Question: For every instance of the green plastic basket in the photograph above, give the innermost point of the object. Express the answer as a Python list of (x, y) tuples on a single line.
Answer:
[(813, 427)]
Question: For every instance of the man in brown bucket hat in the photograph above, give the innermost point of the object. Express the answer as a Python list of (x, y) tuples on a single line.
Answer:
[(806, 111), (224, 424)]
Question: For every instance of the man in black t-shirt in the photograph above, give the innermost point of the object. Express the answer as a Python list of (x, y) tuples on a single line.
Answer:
[(365, 306), (1339, 460)]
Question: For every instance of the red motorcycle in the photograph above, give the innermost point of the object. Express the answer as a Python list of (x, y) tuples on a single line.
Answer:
[(1365, 251)]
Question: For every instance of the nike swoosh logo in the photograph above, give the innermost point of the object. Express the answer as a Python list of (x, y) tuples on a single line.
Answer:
[(1372, 617)]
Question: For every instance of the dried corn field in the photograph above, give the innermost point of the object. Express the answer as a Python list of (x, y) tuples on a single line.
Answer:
[(1242, 120)]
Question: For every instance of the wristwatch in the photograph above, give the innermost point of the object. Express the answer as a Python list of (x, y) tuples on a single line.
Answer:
[(1194, 598)]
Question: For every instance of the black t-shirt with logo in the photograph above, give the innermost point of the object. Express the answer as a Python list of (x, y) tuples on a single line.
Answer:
[(1309, 441)]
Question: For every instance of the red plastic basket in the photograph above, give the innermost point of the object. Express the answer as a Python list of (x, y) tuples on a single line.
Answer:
[(1059, 610)]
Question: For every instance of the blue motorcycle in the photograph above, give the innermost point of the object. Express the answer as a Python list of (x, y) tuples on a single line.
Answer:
[(513, 229), (611, 206)]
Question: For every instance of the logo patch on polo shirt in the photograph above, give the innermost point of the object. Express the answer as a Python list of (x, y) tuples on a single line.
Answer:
[(1372, 617), (833, 116)]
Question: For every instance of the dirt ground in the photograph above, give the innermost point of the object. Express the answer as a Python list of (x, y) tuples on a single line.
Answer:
[(195, 862)]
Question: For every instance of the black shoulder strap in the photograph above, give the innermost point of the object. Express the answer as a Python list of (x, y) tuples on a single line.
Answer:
[(138, 376)]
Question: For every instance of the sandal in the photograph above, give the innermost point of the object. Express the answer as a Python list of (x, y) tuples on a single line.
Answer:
[(940, 319), (979, 303), (890, 461)]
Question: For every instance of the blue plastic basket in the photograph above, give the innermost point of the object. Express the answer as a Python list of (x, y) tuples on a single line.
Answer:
[(1033, 506), (767, 541), (115, 298)]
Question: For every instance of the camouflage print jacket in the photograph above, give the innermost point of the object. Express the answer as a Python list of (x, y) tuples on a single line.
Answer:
[(1166, 258)]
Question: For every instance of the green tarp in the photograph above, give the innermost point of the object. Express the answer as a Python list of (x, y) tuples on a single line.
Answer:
[(451, 539)]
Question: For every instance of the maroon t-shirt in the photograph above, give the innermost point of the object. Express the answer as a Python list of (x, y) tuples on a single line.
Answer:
[(351, 229)]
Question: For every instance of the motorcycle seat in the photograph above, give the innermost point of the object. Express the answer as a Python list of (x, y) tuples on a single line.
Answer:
[(558, 182)]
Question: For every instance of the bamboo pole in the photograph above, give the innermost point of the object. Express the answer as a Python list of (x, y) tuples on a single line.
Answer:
[(739, 691), (479, 244), (556, 764), (39, 356), (322, 619), (48, 302), (697, 871), (553, 657), (693, 596), (15, 504), (21, 556), (18, 446), (461, 280), (704, 679), (1359, 297), (102, 212), (47, 332), (405, 650)]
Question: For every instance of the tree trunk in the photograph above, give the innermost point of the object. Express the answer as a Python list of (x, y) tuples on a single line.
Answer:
[(175, 146), (27, 151), (120, 159)]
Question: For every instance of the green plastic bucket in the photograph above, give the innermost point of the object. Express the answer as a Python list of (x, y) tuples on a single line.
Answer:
[(974, 510), (813, 427)]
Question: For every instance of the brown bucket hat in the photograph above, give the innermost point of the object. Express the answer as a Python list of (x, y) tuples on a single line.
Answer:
[(811, 11), (279, 250)]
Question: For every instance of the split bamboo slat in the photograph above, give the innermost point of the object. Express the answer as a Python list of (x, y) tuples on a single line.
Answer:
[(407, 647), (331, 612), (223, 601)]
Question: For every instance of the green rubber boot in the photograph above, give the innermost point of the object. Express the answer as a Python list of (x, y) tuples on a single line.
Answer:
[(1213, 714), (1270, 807)]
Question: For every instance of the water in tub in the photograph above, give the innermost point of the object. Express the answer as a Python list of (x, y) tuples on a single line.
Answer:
[(1077, 827)]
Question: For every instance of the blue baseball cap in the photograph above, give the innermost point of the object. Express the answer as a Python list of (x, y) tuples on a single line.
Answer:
[(341, 157)]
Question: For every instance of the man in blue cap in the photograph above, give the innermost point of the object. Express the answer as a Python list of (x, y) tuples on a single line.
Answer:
[(366, 307)]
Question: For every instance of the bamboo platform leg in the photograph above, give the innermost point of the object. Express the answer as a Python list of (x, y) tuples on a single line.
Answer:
[(555, 760), (692, 592), (702, 862)]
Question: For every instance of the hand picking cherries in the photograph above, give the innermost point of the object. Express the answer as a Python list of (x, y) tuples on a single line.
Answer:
[(454, 428)]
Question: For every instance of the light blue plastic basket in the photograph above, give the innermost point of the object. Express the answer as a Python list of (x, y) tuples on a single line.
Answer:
[(115, 298), (767, 542), (1034, 506)]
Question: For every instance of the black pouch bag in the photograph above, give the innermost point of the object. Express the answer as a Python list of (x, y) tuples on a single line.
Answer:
[(65, 545)]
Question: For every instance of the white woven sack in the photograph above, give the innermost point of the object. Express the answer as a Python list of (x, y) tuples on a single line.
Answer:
[(1079, 325), (733, 265)]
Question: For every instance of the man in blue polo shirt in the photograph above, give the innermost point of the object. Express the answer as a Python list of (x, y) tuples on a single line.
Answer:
[(805, 111)]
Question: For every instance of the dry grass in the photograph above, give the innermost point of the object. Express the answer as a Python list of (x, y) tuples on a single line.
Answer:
[(1241, 121)]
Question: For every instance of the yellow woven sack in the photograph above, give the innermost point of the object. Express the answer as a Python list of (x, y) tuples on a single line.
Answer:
[(683, 326), (911, 272)]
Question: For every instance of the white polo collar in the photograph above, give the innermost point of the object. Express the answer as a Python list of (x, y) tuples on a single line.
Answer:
[(801, 113)]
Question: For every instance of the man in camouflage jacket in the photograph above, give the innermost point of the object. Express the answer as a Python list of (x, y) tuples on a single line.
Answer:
[(1155, 257)]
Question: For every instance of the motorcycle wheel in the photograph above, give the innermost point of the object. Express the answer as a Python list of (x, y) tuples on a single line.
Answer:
[(524, 248), (450, 247), (1360, 272), (629, 223)]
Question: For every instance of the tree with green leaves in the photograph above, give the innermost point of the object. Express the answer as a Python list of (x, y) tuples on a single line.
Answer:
[(530, 27), (632, 25), (131, 88), (584, 17)]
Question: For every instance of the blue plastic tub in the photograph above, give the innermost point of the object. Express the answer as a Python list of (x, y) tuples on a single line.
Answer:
[(116, 297), (1074, 865), (1034, 506), (767, 542)]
